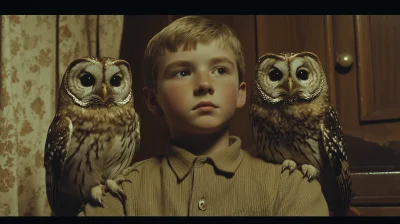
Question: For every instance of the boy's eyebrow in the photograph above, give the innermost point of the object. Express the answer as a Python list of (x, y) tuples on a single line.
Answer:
[(178, 63), (189, 63), (222, 59)]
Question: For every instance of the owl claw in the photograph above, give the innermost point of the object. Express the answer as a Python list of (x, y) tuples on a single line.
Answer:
[(99, 202), (288, 164), (115, 189), (122, 180), (121, 195), (309, 171), (127, 180), (96, 193), (284, 168)]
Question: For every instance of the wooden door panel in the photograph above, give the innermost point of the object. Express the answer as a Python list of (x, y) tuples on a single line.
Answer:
[(291, 34), (373, 149), (378, 43), (354, 87)]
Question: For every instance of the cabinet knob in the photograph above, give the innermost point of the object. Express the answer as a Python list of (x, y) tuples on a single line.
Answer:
[(345, 60)]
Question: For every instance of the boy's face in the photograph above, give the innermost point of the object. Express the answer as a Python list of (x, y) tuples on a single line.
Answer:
[(198, 90)]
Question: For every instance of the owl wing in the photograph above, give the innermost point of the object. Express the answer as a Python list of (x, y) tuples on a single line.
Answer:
[(56, 149), (335, 148)]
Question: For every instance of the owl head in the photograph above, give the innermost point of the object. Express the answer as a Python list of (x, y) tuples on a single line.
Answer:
[(97, 82), (289, 78)]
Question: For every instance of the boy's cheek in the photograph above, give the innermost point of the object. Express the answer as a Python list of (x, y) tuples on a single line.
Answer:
[(230, 93), (174, 97)]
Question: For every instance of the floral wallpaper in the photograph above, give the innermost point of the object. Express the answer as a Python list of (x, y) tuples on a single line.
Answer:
[(35, 51)]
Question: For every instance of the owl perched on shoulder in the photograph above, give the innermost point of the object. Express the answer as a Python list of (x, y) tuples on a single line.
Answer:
[(294, 125), (93, 136)]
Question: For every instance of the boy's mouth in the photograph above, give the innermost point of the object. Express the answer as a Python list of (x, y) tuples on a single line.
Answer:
[(204, 104)]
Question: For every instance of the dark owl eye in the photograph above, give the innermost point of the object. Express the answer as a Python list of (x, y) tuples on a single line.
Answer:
[(116, 80), (87, 79), (275, 75), (302, 74)]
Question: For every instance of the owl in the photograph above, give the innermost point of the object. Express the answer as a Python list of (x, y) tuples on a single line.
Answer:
[(93, 136), (294, 125)]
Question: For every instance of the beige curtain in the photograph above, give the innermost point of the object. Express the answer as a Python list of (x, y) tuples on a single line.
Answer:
[(35, 51)]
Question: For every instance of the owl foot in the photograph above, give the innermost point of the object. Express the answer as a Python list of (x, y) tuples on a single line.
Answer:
[(114, 185), (289, 164), (97, 192), (115, 189), (309, 171), (122, 176)]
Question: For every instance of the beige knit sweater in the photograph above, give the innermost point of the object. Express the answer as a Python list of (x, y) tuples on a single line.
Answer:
[(227, 183)]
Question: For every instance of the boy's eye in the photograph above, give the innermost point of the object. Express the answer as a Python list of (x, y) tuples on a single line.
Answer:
[(181, 73), (220, 71)]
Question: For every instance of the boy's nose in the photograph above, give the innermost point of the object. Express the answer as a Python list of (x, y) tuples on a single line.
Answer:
[(204, 86)]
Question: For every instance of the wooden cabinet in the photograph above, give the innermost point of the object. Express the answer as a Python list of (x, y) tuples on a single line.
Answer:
[(368, 100), (366, 94), (369, 93)]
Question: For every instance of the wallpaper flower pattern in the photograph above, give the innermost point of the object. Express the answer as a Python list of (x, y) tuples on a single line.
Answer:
[(35, 51)]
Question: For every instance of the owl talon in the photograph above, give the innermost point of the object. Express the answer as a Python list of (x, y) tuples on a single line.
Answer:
[(309, 171), (284, 168), (127, 180), (115, 189), (121, 195), (288, 164), (96, 193), (122, 176), (121, 180)]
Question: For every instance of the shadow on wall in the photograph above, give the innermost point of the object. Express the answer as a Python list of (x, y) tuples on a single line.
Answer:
[(134, 41)]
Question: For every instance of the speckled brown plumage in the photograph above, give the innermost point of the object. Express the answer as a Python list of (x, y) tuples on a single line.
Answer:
[(94, 134), (293, 123)]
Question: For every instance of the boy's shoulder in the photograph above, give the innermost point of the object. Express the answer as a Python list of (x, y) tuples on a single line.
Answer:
[(273, 171), (150, 163), (256, 162)]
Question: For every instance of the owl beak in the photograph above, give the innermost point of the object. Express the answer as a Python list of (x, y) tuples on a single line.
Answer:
[(290, 85), (104, 91)]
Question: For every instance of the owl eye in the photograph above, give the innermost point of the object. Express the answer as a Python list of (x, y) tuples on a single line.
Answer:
[(302, 74), (87, 80), (275, 75), (116, 80)]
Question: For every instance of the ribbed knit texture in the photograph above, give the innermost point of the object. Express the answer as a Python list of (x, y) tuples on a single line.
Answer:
[(229, 183)]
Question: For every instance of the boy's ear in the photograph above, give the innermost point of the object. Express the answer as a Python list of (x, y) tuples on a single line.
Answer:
[(241, 99), (152, 102)]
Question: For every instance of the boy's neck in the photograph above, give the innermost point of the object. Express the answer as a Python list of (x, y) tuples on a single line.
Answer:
[(202, 144)]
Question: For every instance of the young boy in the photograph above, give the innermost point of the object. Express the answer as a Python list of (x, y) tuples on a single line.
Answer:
[(194, 69)]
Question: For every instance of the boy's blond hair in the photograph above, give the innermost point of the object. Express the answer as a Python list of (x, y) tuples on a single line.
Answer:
[(189, 30)]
